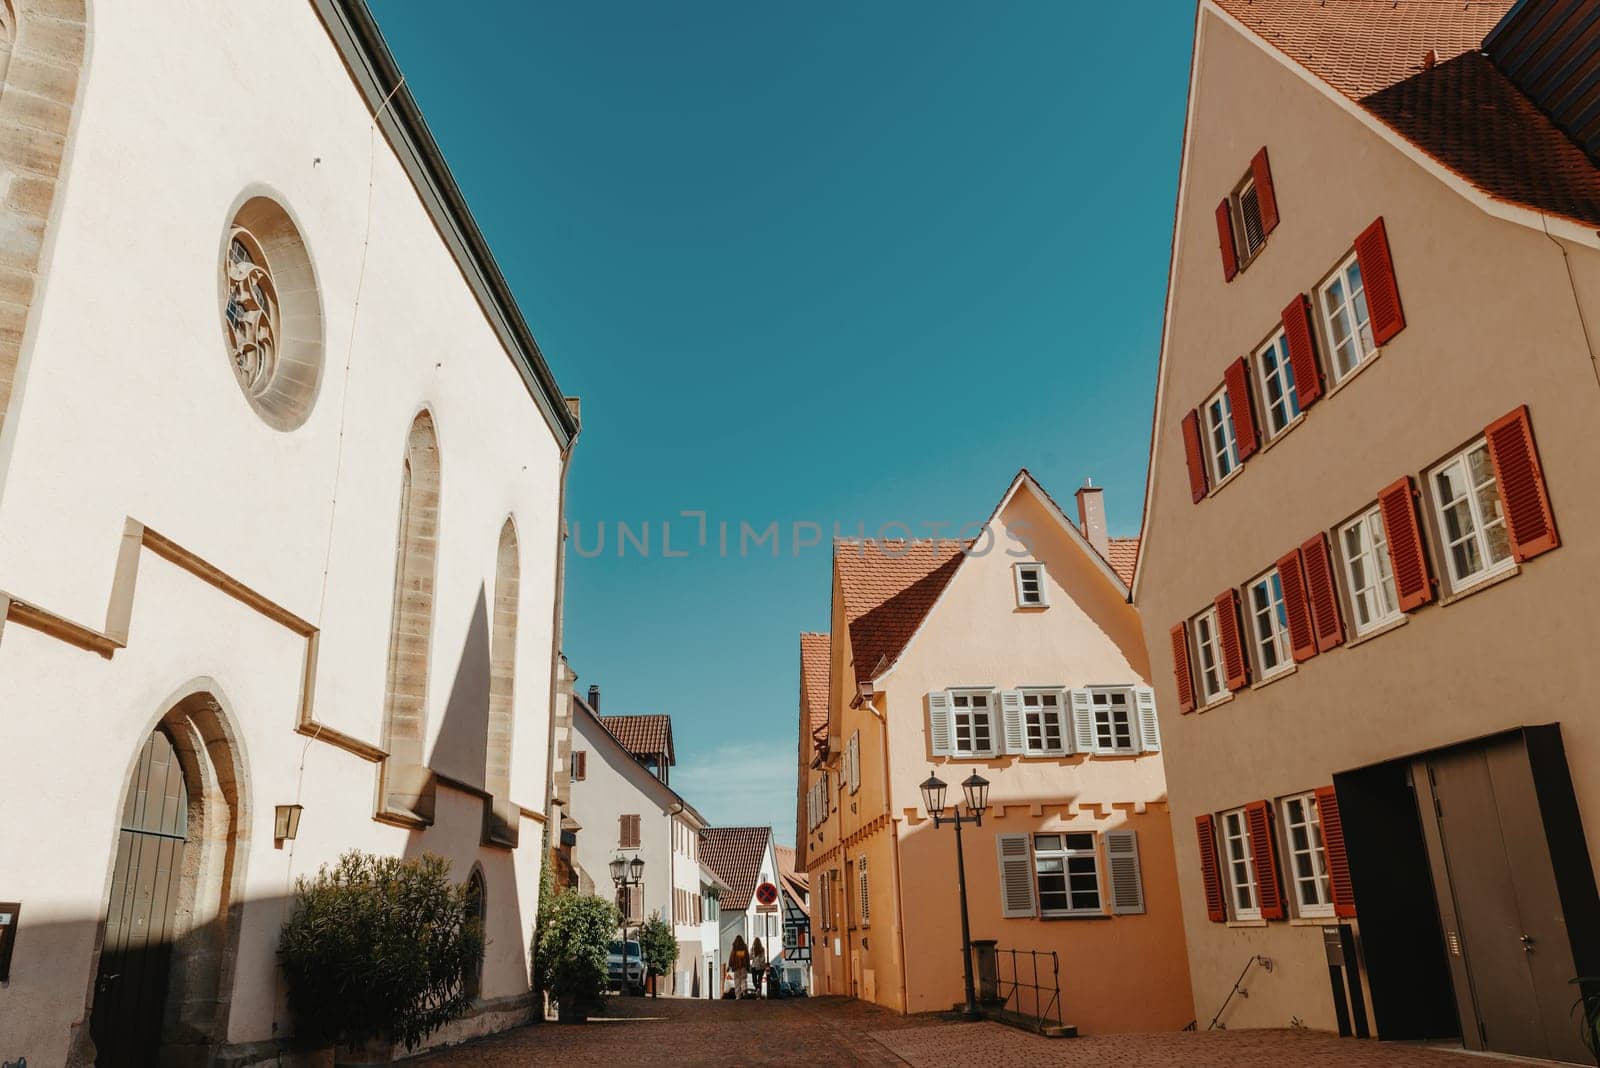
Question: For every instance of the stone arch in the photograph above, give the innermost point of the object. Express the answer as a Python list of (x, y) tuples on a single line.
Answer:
[(209, 904), (42, 51), (407, 789)]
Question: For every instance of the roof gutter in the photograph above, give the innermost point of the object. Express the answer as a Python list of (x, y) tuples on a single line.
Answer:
[(373, 68)]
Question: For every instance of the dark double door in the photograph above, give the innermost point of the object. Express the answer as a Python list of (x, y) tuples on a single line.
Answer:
[(1506, 939), (131, 987)]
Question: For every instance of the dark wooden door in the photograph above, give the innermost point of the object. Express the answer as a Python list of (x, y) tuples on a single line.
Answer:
[(131, 988), (1518, 957)]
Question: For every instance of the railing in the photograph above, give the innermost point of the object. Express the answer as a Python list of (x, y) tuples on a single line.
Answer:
[(1266, 966), (1025, 983)]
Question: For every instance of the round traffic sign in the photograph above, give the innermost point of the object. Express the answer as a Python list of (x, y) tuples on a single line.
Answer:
[(767, 894)]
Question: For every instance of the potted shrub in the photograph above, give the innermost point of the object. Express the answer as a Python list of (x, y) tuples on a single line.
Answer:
[(659, 948), (574, 938), (376, 954)]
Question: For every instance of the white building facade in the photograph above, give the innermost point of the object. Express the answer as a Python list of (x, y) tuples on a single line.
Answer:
[(281, 479)]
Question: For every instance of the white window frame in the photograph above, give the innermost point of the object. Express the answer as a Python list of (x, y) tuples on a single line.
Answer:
[(1353, 303), (1220, 443), (1481, 522), (992, 713), (1241, 229), (1066, 854), (1201, 626), (1368, 571), (1313, 887), (1237, 857), (1281, 374), (1043, 713), (1274, 618), (1026, 569), (1129, 705)]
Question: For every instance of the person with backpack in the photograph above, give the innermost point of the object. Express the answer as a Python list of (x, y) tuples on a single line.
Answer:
[(739, 964), (758, 965)]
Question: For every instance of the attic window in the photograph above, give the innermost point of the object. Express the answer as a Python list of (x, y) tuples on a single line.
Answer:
[(1248, 227), (1030, 586)]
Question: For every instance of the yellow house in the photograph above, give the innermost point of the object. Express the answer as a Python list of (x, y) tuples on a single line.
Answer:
[(1015, 655)]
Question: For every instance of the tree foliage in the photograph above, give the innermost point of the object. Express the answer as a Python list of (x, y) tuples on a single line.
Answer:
[(574, 938), (658, 945), (379, 947)]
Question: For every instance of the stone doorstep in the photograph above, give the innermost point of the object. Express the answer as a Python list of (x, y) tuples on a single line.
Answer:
[(1021, 1021)]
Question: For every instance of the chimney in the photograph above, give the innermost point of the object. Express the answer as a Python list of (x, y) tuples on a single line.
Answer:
[(1092, 517), (594, 692)]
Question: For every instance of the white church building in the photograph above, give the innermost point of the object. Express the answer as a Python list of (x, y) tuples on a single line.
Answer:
[(281, 485)]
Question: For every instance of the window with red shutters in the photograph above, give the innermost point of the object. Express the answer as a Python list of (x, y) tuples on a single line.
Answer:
[(1302, 640), (1302, 350), (1264, 191), (1321, 593), (1180, 667), (1344, 896), (1230, 254), (1210, 873), (1413, 585), (1233, 658), (1377, 279), (1263, 858), (1530, 524), (1192, 453), (1237, 380)]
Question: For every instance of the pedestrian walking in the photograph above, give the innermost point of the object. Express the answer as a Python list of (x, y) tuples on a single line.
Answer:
[(739, 964), (758, 965)]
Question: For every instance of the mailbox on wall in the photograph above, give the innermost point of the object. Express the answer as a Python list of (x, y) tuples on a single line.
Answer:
[(9, 911)]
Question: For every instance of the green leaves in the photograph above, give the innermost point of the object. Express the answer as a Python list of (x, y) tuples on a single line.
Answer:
[(379, 947), (658, 945), (574, 935)]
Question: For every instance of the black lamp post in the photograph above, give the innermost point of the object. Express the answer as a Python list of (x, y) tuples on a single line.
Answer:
[(976, 789), (627, 873)]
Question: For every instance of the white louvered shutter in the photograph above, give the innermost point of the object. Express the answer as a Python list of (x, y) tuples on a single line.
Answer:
[(1144, 699), (853, 762), (1063, 716), (1082, 721), (1016, 875), (939, 723), (1011, 717), (1127, 884)]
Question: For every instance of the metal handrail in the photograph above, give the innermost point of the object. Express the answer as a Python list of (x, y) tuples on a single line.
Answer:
[(1266, 965), (1045, 991)]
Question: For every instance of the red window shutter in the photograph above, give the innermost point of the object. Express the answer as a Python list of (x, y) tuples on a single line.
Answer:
[(1237, 380), (1297, 607), (1377, 278), (1180, 667), (1302, 350), (1322, 593), (1233, 661), (1529, 521), (1230, 254), (1210, 873), (1344, 896), (1413, 585), (1258, 814), (1192, 453), (1265, 194)]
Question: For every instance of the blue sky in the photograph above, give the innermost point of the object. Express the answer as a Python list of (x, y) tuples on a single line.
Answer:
[(819, 263)]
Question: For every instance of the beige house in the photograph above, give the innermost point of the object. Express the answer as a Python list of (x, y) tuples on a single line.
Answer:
[(1017, 657), (281, 474), (1371, 536)]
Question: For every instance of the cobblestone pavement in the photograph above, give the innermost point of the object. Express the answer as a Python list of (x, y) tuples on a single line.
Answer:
[(832, 1031)]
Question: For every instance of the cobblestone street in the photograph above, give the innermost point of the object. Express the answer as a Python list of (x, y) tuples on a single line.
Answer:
[(830, 1031)]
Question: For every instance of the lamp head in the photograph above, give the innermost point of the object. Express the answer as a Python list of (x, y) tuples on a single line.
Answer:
[(933, 795)]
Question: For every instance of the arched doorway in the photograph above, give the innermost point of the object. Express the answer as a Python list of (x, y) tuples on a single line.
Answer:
[(478, 913), (161, 989)]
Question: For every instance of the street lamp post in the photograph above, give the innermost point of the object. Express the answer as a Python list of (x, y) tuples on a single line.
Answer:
[(626, 874), (976, 791)]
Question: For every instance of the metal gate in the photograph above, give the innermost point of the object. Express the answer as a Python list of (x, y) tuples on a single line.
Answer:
[(131, 989)]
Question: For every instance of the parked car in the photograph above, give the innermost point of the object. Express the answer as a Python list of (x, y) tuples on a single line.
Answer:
[(785, 982), (630, 980)]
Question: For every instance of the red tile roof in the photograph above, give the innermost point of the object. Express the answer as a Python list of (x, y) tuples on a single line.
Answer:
[(1462, 111), (642, 735), (888, 588), (735, 854), (814, 680), (1123, 556)]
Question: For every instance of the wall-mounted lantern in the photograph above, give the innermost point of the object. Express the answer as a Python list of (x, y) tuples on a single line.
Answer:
[(286, 822)]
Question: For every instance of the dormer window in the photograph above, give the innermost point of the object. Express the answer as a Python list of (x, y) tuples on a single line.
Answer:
[(1246, 216), (1030, 586), (1247, 227)]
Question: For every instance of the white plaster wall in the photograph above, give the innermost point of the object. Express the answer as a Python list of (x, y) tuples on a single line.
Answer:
[(129, 408), (615, 785)]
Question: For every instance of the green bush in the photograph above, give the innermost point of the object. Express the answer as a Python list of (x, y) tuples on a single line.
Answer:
[(658, 945), (574, 937), (379, 947)]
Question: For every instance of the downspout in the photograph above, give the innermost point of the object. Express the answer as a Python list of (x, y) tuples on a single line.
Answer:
[(1572, 284)]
